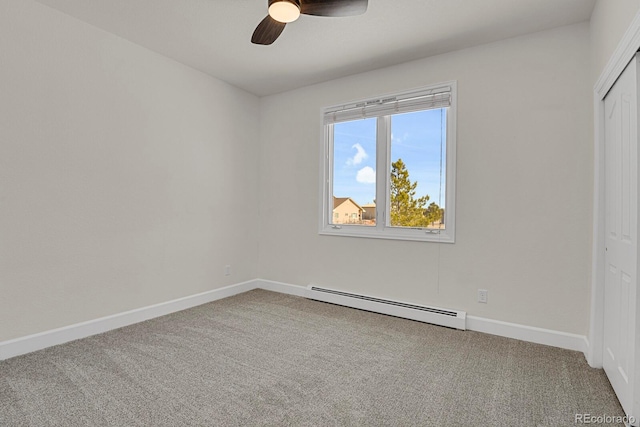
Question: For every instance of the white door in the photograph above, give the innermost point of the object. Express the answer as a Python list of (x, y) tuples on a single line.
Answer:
[(621, 241)]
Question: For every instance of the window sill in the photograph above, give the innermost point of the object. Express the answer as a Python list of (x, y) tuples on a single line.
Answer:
[(390, 233)]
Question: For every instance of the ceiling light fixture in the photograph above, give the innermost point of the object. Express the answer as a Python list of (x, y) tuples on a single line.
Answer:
[(284, 10)]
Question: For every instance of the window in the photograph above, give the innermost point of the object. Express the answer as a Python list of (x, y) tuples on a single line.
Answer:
[(389, 166)]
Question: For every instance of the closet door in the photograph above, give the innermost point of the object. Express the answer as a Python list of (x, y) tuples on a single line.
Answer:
[(621, 240)]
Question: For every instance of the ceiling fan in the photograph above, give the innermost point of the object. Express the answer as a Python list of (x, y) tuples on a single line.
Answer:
[(282, 12)]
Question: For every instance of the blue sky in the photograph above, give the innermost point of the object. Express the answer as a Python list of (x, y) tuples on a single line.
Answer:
[(415, 138)]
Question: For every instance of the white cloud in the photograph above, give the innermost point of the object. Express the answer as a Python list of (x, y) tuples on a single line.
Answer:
[(399, 139), (359, 156), (366, 175)]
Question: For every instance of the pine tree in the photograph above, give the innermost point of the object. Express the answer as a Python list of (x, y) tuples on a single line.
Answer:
[(406, 209), (434, 213)]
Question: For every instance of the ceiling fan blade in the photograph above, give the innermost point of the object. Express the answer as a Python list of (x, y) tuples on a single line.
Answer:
[(333, 7), (267, 31)]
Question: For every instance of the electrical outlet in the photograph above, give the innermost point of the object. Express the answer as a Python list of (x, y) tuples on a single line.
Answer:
[(227, 270), (483, 295)]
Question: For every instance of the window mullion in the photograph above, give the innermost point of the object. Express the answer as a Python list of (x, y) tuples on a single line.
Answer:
[(383, 136)]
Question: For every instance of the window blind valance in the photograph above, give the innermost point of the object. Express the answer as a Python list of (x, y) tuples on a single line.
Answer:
[(439, 97)]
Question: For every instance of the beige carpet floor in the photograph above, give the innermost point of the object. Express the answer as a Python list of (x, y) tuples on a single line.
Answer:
[(268, 359)]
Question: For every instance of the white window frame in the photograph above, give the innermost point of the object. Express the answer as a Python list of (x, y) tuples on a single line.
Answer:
[(382, 229)]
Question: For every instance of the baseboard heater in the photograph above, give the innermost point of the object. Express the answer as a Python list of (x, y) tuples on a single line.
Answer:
[(437, 316)]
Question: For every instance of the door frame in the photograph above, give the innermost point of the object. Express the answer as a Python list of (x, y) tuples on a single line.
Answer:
[(626, 50)]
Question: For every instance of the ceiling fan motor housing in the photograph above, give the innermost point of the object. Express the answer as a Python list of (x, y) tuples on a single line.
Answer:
[(296, 2)]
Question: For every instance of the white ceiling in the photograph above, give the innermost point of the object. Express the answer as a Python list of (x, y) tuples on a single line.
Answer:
[(214, 35)]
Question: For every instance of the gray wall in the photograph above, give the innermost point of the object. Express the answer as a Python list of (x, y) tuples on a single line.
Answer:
[(524, 195), (127, 178)]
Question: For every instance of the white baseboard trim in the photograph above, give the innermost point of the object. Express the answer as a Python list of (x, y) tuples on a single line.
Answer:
[(479, 324), (39, 341), (283, 288), (529, 333)]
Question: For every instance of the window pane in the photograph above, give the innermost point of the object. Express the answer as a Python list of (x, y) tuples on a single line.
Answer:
[(417, 182), (354, 172)]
